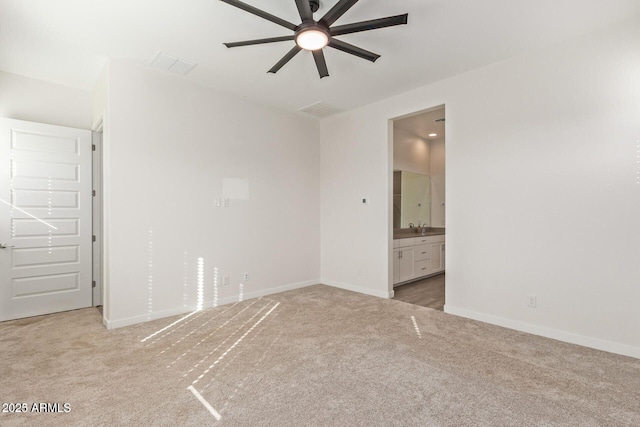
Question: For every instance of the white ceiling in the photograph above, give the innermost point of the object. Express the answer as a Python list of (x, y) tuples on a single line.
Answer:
[(67, 41), (424, 124)]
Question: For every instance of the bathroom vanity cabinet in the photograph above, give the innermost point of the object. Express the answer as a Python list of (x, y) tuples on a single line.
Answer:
[(417, 257)]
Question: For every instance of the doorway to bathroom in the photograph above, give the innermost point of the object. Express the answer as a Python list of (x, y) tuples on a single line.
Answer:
[(418, 204)]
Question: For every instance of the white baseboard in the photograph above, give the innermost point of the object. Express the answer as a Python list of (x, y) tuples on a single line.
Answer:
[(596, 343), (359, 289), (128, 321), (133, 320), (276, 290)]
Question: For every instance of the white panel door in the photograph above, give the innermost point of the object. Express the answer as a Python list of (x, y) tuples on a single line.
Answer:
[(45, 219)]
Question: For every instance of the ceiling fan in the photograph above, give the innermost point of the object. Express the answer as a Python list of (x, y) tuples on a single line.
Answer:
[(314, 35)]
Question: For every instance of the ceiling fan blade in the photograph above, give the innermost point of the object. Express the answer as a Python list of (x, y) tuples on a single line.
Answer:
[(374, 24), (305, 10), (261, 13), (337, 11), (318, 55), (260, 41), (293, 52), (353, 50)]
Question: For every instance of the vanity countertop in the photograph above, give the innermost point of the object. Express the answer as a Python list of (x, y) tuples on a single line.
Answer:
[(408, 233)]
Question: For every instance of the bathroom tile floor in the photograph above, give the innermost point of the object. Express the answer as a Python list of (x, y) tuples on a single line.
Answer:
[(428, 292)]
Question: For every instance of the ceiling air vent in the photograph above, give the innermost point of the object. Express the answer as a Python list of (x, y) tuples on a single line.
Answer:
[(174, 65), (320, 109)]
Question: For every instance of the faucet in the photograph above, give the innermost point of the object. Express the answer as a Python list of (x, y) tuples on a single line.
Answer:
[(411, 225), (422, 228)]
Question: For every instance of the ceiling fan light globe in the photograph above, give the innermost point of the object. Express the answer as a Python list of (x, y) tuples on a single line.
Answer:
[(312, 39)]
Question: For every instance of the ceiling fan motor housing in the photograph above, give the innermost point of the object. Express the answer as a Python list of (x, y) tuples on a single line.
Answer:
[(306, 26)]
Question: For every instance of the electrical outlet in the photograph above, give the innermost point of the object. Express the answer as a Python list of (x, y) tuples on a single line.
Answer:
[(245, 276), (532, 301), (226, 280)]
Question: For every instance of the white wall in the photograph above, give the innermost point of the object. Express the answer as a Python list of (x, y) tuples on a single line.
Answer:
[(543, 191), (410, 152), (24, 98), (100, 96), (171, 143), (438, 187)]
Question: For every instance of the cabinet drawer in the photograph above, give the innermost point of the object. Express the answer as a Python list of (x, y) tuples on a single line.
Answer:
[(421, 268), (421, 252), (429, 239), (403, 243)]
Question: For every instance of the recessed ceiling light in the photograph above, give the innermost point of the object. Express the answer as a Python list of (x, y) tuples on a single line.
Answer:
[(433, 134)]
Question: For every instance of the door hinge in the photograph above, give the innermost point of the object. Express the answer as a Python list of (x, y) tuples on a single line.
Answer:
[(94, 238), (93, 284), (93, 193), (93, 147)]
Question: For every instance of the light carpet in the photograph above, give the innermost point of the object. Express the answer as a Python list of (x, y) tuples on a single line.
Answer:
[(317, 356)]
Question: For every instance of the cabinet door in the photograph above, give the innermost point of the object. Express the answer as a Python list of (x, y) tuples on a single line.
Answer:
[(436, 257), (396, 266), (406, 264)]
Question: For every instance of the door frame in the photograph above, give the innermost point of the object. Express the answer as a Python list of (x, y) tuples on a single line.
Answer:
[(97, 133), (390, 141)]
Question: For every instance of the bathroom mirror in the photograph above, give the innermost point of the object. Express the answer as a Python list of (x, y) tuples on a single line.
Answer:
[(411, 199)]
